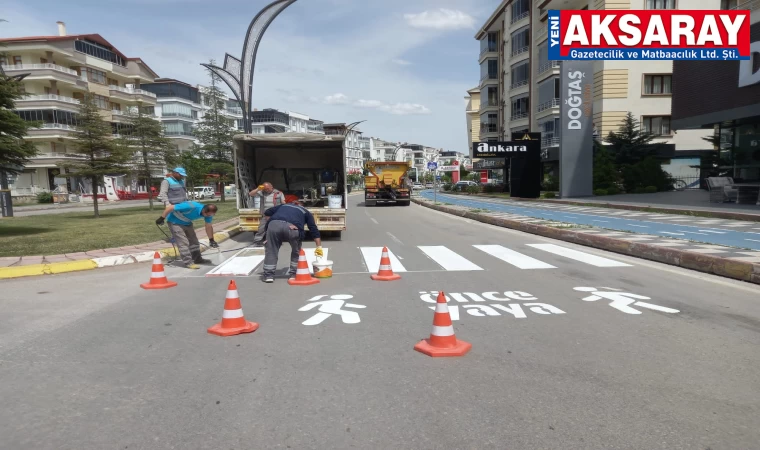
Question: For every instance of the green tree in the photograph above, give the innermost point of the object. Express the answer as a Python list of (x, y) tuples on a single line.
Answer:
[(428, 177), (215, 131), (100, 154), (15, 153), (606, 174), (145, 139), (196, 166)]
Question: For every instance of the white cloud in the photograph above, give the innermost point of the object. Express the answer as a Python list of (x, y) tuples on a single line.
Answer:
[(441, 19), (401, 62), (400, 109), (336, 99)]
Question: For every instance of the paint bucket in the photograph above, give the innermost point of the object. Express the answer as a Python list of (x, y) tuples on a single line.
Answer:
[(322, 268), (335, 201)]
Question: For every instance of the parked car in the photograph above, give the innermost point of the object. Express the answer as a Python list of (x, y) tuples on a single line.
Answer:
[(429, 185), (462, 185), (203, 192), (418, 186)]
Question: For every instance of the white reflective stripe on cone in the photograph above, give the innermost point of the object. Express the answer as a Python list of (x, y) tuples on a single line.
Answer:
[(157, 275), (156, 260), (232, 293), (385, 268), (443, 331), (441, 308), (302, 272), (232, 314)]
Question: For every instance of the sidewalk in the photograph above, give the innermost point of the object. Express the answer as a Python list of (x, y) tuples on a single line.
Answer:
[(14, 267)]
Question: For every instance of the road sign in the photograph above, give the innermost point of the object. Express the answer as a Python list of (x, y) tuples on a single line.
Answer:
[(432, 165)]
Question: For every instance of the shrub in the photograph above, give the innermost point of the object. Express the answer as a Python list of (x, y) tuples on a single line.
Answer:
[(447, 187), (648, 172), (550, 195), (550, 183), (44, 197), (639, 190), (613, 190), (473, 189), (600, 192), (650, 189)]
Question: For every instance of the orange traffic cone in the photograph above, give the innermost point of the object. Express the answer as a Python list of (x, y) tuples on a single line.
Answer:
[(385, 273), (442, 340), (158, 279), (233, 322), (303, 277)]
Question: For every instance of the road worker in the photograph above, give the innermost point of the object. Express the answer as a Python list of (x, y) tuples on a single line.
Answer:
[(173, 190), (180, 218), (269, 197), (286, 224)]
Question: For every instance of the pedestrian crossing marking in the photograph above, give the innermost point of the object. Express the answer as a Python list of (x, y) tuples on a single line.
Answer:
[(448, 259), (514, 258), (372, 256), (310, 256), (576, 255)]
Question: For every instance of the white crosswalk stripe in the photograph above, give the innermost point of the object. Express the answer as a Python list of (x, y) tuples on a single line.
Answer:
[(372, 257), (576, 255), (448, 259), (512, 257)]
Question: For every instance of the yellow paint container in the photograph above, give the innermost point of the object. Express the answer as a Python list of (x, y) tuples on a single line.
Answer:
[(322, 268)]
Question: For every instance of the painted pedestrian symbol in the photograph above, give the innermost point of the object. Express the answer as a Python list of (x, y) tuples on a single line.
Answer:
[(332, 306), (622, 301)]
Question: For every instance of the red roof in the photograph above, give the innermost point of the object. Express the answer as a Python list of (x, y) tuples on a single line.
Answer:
[(72, 37)]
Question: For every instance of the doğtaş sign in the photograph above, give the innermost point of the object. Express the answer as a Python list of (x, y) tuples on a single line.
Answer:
[(528, 143)]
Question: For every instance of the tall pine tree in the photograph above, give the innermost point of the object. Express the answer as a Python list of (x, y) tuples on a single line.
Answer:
[(101, 155), (144, 138), (215, 132), (15, 153)]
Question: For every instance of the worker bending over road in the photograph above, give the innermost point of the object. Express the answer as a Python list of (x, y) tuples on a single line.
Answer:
[(286, 224), (180, 218), (269, 197)]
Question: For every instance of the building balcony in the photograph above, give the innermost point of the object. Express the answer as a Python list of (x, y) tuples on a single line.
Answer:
[(542, 33), (549, 142), (131, 95), (546, 66), (234, 111), (44, 72), (518, 116), (489, 128), (486, 105), (518, 84), (554, 103), (561, 4), (51, 131), (751, 5), (45, 101), (519, 51), (520, 17), (489, 78), (180, 134)]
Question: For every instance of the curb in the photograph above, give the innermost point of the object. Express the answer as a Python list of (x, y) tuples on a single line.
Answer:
[(653, 209), (738, 270), (98, 263)]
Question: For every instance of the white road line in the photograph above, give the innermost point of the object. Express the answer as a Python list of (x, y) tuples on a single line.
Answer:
[(512, 257), (236, 266), (374, 220), (372, 256), (398, 241), (583, 257), (637, 226), (448, 259), (667, 232), (310, 256)]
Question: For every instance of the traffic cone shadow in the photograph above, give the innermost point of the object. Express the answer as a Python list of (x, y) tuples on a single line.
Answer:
[(442, 341), (385, 272), (303, 276), (233, 321), (158, 278)]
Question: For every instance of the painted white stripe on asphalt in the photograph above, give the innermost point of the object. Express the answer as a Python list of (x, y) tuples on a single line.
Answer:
[(373, 219), (443, 331), (232, 314), (448, 259), (310, 257), (512, 257), (576, 255), (372, 256), (237, 266)]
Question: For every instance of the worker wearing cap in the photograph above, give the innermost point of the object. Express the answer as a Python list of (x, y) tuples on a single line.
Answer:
[(286, 224), (180, 218), (173, 190), (269, 198)]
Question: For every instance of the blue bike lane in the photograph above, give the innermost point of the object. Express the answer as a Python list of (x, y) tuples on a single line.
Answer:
[(699, 233)]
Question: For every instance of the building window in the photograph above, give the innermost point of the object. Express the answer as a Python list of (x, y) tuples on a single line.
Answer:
[(520, 41), (490, 43), (113, 82), (728, 4), (17, 60), (3, 60), (657, 125), (520, 74), (492, 97), (657, 85), (148, 110), (489, 69), (176, 110), (115, 106), (101, 102), (98, 51), (661, 4), (178, 129), (95, 76), (489, 123), (520, 10), (548, 94), (520, 107)]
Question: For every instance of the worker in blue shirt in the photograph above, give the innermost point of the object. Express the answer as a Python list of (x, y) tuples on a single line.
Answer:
[(286, 224), (180, 218)]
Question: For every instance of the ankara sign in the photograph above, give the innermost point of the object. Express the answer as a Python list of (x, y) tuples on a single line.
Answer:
[(524, 153)]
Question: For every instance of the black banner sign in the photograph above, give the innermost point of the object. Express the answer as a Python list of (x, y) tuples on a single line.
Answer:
[(527, 144)]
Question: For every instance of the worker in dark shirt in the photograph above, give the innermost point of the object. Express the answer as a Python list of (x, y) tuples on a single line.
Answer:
[(286, 224)]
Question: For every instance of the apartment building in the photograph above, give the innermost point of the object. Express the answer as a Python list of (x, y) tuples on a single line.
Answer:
[(354, 153), (519, 85), (472, 107), (382, 150), (270, 120), (58, 71)]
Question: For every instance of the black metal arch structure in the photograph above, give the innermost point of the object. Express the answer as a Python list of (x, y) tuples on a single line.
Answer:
[(236, 73)]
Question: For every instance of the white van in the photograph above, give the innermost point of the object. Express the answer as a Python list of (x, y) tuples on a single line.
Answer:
[(203, 192)]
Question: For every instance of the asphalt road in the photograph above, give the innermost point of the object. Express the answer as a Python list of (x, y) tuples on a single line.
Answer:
[(91, 361), (733, 233)]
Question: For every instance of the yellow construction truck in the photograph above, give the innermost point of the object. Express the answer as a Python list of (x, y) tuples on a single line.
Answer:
[(304, 166), (387, 182)]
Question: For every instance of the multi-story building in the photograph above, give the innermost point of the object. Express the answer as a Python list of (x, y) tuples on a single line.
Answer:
[(472, 106), (383, 150), (354, 156), (519, 85), (270, 120), (59, 71)]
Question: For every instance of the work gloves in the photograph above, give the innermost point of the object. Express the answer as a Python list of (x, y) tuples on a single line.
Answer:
[(160, 221), (318, 252), (213, 243)]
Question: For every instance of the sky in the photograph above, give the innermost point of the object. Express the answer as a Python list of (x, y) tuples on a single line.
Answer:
[(404, 66)]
